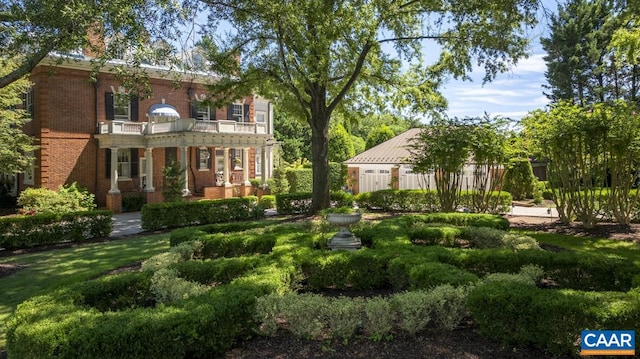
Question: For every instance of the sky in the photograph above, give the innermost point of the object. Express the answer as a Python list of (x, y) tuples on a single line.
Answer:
[(512, 94)]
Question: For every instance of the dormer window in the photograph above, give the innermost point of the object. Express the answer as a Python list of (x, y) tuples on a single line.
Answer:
[(116, 48), (162, 53)]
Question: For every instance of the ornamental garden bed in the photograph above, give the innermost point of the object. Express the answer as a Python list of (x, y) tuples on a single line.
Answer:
[(220, 285)]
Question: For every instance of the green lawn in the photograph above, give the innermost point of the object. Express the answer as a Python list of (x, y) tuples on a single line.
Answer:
[(49, 270)]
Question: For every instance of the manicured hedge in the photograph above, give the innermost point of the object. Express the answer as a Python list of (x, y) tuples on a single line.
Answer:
[(300, 203), (188, 234), (461, 219), (42, 229), (422, 201), (389, 200), (180, 214), (300, 179), (521, 314), (566, 269)]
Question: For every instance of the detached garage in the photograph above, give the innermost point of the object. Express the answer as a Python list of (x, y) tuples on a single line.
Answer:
[(386, 166)]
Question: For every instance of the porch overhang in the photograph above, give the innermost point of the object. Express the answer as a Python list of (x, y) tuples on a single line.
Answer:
[(184, 139)]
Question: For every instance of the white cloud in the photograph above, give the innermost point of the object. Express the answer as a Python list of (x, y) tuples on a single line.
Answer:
[(533, 64)]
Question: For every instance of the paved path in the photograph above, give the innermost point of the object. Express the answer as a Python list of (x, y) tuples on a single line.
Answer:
[(125, 224)]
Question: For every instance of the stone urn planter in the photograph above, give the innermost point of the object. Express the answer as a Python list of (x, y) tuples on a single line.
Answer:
[(344, 239)]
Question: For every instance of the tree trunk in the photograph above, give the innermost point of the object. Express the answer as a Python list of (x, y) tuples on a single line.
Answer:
[(320, 155)]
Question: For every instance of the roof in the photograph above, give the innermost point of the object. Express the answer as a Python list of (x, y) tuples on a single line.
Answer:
[(393, 151)]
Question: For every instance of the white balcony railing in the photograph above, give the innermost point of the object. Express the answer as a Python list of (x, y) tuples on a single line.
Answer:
[(180, 125)]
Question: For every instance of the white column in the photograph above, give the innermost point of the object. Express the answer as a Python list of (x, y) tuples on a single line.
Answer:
[(148, 154), (185, 173), (245, 167), (225, 165), (263, 164), (114, 171)]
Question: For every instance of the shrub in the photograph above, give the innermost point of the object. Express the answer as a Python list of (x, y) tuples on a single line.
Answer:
[(566, 269), (378, 318), (431, 274), (519, 179), (67, 199), (268, 201), (414, 311), (484, 237), (180, 214), (435, 234), (133, 202), (42, 229), (300, 203), (337, 176), (399, 200), (173, 182), (343, 269), (221, 270), (461, 219), (521, 314), (300, 179), (293, 203), (117, 292)]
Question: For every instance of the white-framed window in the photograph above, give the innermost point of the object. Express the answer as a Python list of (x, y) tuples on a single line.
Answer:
[(261, 117), (124, 163), (204, 157), (121, 106), (203, 111), (237, 111), (258, 161), (236, 155)]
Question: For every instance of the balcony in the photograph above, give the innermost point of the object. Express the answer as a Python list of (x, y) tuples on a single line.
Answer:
[(180, 125)]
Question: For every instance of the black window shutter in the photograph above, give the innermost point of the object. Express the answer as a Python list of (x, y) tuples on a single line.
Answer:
[(246, 113), (107, 162), (193, 109), (134, 108), (135, 160), (198, 158), (212, 113), (230, 112), (108, 106)]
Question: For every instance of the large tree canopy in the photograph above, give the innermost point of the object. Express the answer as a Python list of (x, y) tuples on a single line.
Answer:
[(313, 53), (15, 146), (32, 29)]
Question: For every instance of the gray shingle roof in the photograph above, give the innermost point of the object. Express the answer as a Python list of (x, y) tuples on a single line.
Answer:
[(393, 151)]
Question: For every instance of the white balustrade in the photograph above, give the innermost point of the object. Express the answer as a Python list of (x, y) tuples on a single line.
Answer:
[(180, 125)]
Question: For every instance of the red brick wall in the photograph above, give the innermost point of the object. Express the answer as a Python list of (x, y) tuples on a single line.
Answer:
[(68, 107), (64, 124)]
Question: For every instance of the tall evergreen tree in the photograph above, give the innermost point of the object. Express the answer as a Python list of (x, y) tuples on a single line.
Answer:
[(580, 65)]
